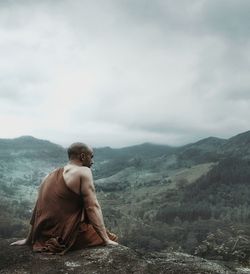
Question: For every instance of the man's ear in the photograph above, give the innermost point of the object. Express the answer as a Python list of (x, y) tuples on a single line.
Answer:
[(82, 155)]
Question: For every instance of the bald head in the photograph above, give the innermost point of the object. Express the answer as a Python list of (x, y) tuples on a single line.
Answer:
[(76, 149)]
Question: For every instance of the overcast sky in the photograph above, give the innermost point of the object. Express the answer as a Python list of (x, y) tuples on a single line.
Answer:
[(124, 72)]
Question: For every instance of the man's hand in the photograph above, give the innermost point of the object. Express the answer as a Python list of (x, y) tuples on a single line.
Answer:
[(20, 242), (110, 242), (112, 236)]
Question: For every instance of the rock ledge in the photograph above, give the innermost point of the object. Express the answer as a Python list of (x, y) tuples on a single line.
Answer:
[(110, 260)]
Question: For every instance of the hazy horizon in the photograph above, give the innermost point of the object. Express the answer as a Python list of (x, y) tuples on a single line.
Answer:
[(135, 144), (119, 73)]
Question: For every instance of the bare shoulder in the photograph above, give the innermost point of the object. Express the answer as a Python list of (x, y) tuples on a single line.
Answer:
[(85, 171), (87, 184), (77, 175), (77, 169)]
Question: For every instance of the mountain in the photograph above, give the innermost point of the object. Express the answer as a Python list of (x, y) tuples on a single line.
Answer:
[(30, 147), (209, 144), (155, 197), (24, 161), (142, 150), (238, 145), (25, 142), (110, 161)]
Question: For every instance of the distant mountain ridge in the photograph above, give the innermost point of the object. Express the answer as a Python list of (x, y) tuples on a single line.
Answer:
[(109, 161), (238, 145), (204, 150), (143, 149), (189, 190), (27, 142)]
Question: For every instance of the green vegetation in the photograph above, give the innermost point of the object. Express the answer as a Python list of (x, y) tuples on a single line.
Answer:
[(193, 198)]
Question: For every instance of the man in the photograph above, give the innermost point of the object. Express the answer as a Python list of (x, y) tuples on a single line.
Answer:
[(67, 214)]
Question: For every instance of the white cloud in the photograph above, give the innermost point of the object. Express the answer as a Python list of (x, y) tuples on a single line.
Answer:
[(118, 72)]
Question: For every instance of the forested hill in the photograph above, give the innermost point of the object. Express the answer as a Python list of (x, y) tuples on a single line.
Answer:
[(25, 160), (30, 148), (26, 142), (26, 151), (154, 157), (193, 198)]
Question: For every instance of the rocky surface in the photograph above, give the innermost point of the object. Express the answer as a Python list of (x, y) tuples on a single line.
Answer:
[(14, 259)]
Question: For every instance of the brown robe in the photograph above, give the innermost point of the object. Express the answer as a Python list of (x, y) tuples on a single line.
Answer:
[(57, 220)]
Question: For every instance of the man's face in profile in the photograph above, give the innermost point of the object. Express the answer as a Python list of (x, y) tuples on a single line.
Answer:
[(88, 158)]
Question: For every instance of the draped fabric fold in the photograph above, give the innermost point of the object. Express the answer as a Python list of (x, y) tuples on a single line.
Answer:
[(59, 222), (57, 216)]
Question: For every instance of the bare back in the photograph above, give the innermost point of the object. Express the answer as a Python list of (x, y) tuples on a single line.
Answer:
[(73, 176), (79, 180)]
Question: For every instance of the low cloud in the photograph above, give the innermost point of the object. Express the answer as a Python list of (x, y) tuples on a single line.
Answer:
[(123, 72)]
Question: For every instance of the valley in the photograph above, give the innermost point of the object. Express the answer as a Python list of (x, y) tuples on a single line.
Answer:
[(155, 197)]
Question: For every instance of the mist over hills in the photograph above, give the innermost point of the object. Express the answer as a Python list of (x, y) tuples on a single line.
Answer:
[(155, 197), (30, 156), (234, 145), (27, 159), (27, 142)]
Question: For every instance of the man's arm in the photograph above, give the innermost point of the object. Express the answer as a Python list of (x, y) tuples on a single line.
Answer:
[(92, 206)]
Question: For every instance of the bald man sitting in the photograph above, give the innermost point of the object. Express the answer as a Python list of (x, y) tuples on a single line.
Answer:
[(67, 214)]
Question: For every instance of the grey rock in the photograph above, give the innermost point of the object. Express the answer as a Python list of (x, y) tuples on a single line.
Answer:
[(112, 260)]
